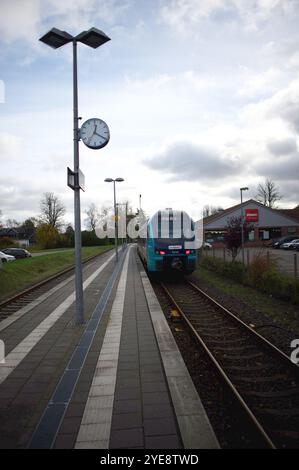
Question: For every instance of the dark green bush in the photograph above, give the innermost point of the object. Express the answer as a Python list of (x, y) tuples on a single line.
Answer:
[(89, 238)]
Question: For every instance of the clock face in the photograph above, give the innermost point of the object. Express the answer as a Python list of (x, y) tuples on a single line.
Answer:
[(95, 133)]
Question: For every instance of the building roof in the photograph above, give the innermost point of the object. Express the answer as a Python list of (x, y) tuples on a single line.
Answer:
[(210, 218), (16, 233), (291, 214), (8, 232)]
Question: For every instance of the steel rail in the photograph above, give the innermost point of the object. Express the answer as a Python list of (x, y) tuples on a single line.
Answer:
[(227, 380), (248, 328)]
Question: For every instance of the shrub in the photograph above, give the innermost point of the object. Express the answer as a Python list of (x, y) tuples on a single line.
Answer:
[(279, 286), (47, 236), (261, 275), (6, 242), (233, 270), (89, 238), (259, 267)]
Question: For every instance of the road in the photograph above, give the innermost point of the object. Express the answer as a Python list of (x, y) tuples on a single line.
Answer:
[(42, 253)]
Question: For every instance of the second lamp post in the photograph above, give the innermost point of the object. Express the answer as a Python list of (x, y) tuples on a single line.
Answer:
[(117, 180)]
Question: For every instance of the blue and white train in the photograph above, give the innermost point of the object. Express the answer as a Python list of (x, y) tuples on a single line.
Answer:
[(169, 243)]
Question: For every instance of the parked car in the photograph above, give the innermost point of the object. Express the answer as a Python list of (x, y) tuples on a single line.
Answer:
[(207, 246), (290, 245), (295, 244), (280, 241), (17, 252), (5, 258)]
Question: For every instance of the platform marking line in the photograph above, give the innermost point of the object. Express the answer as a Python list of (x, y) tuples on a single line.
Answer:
[(195, 428), (19, 313), (15, 357), (95, 426)]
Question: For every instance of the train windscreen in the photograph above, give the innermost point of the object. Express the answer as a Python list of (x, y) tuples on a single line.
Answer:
[(176, 226)]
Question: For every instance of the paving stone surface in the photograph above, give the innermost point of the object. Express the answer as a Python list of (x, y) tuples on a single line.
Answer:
[(126, 381), (26, 391), (143, 416)]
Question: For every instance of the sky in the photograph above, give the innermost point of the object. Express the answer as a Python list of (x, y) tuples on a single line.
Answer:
[(201, 98)]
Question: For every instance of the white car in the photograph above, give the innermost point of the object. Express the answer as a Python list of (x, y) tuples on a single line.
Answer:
[(4, 258), (290, 245)]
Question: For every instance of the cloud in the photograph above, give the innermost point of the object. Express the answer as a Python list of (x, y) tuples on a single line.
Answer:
[(187, 161), (260, 83), (290, 192), (20, 197), (2, 92), (282, 106), (9, 146), (17, 22), (289, 111), (26, 22), (150, 83), (282, 147), (183, 15), (280, 169)]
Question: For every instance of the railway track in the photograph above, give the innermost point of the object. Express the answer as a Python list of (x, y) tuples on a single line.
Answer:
[(20, 300), (261, 377)]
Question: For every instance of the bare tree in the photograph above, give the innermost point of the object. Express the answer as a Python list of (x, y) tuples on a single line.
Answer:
[(12, 223), (210, 210), (268, 193), (233, 235), (28, 227), (92, 216), (52, 210)]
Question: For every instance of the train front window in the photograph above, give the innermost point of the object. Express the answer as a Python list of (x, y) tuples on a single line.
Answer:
[(174, 226)]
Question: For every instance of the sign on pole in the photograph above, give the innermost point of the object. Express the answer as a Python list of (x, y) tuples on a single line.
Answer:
[(75, 180)]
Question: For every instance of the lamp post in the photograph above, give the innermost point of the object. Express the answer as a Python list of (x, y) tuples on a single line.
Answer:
[(123, 220), (94, 38), (242, 222), (117, 180)]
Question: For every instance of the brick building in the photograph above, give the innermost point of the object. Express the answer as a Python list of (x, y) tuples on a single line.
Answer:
[(268, 224)]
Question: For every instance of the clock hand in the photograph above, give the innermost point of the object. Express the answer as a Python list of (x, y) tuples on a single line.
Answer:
[(100, 135), (94, 132), (89, 140)]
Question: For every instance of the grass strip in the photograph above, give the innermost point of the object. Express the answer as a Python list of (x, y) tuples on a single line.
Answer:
[(23, 273), (277, 309)]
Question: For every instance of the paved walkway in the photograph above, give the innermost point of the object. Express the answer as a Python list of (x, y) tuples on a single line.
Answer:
[(116, 382)]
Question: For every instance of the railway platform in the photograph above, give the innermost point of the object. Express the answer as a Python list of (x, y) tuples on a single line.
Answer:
[(116, 382)]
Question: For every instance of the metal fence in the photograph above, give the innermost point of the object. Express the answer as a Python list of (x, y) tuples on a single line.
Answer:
[(285, 261)]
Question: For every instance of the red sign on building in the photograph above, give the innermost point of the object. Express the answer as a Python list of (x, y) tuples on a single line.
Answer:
[(251, 215)]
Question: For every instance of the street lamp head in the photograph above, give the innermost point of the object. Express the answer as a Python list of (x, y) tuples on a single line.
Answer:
[(244, 189), (108, 180), (56, 38), (93, 38), (119, 180)]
